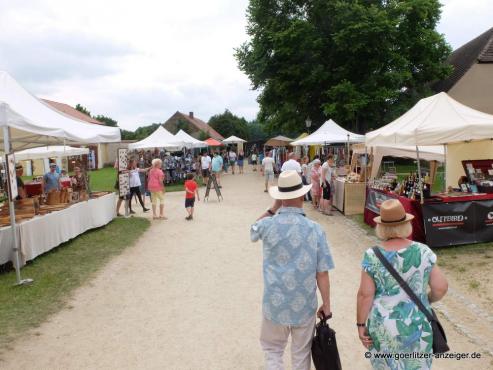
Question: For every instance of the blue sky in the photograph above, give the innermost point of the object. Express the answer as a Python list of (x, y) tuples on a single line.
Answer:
[(139, 62)]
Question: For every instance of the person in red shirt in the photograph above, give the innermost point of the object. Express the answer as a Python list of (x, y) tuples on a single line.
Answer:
[(191, 191)]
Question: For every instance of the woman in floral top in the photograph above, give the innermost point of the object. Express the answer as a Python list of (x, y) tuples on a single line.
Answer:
[(388, 320)]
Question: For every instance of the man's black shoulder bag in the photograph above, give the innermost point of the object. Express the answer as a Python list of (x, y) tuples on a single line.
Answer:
[(439, 338)]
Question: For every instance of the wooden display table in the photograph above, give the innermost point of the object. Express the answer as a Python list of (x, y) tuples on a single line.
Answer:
[(349, 198)]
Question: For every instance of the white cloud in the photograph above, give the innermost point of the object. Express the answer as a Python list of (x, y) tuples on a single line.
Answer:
[(140, 61)]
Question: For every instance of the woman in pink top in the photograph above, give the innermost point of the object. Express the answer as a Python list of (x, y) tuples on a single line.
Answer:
[(155, 184), (316, 189)]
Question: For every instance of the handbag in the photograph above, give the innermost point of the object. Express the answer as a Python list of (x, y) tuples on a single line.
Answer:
[(439, 339), (324, 347)]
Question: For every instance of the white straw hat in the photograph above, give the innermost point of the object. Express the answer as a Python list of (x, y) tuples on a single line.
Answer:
[(289, 186)]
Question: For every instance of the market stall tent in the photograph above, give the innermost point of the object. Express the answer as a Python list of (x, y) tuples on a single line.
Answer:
[(161, 138), (435, 120), (279, 141), (213, 142), (233, 140), (27, 122), (330, 133), (33, 123), (189, 141), (49, 152)]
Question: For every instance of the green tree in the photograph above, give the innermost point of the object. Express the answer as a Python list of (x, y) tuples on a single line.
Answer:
[(185, 126), (228, 124), (203, 135), (360, 62), (83, 109), (106, 120), (256, 131)]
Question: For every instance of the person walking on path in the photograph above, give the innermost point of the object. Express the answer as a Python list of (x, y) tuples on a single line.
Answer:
[(315, 175), (191, 193), (296, 260), (306, 176), (205, 165), (291, 164), (217, 167), (156, 187), (254, 159), (388, 320), (268, 170), (232, 160), (134, 174), (241, 158), (328, 175)]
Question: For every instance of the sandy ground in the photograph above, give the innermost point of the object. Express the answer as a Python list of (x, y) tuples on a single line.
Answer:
[(188, 296)]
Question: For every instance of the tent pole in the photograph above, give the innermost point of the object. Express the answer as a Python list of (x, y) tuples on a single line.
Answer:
[(366, 163), (419, 175), (445, 168), (16, 250), (347, 149)]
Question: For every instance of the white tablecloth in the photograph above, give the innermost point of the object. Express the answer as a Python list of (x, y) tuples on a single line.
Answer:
[(43, 233)]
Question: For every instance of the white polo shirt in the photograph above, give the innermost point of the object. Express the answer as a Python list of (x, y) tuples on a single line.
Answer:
[(291, 165)]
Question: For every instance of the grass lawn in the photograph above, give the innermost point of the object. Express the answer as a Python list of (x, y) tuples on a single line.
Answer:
[(104, 180), (58, 273)]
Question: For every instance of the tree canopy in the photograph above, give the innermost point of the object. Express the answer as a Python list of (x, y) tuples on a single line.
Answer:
[(360, 62), (228, 124), (83, 109), (106, 120)]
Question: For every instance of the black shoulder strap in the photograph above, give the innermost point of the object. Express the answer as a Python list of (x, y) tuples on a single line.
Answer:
[(402, 283)]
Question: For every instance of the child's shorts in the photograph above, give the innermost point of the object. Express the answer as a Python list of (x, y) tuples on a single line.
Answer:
[(189, 202)]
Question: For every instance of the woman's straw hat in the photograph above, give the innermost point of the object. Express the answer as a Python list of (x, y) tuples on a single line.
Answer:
[(289, 186), (392, 213)]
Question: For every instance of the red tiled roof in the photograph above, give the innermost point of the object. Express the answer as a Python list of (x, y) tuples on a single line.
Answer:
[(201, 125), (67, 109)]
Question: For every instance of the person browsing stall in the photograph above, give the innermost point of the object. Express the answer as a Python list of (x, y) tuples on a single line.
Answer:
[(217, 167), (205, 165), (21, 190), (291, 164), (51, 179), (296, 259)]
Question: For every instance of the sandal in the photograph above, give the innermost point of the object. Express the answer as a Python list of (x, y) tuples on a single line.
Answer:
[(163, 218)]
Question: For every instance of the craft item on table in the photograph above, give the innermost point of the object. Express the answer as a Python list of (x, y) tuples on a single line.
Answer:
[(122, 159)]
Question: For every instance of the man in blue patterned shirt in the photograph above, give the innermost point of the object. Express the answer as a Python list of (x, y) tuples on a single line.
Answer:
[(296, 260)]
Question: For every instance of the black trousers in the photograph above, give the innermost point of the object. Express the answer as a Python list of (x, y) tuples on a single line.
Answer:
[(308, 196), (136, 190)]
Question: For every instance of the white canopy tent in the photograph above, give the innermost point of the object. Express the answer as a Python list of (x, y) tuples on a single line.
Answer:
[(33, 123), (435, 120), (161, 138), (50, 152), (428, 153), (330, 133), (189, 141), (27, 122), (233, 140)]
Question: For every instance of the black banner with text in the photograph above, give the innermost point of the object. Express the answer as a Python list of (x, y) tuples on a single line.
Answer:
[(458, 223)]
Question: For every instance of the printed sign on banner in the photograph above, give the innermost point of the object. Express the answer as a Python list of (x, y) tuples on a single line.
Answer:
[(123, 184), (458, 222), (11, 176), (484, 218), (122, 159)]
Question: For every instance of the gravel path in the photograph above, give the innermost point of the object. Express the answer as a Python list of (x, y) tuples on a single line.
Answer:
[(188, 296)]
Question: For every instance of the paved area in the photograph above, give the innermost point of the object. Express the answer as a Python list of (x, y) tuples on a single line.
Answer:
[(188, 296)]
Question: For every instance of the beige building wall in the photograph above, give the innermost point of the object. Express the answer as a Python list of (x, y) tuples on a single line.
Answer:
[(475, 88), (456, 153)]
